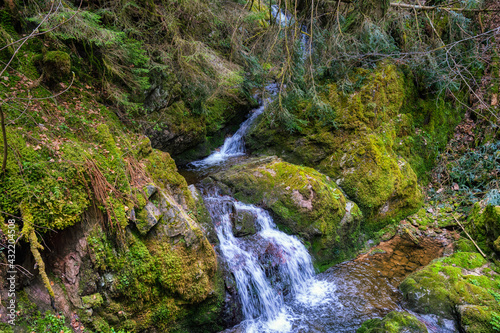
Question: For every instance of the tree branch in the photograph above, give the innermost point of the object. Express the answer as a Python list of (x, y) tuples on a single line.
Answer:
[(4, 135), (420, 7)]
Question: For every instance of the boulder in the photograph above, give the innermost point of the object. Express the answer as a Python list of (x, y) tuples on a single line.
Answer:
[(302, 201)]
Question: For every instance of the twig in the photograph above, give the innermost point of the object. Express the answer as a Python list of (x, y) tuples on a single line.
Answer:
[(21, 269), (477, 247), (4, 135), (458, 9)]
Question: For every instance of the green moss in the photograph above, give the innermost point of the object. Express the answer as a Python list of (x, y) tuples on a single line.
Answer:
[(465, 245), (476, 319), (394, 322), (302, 200), (483, 224), (92, 301), (361, 154), (460, 281), (155, 277), (163, 171), (57, 64)]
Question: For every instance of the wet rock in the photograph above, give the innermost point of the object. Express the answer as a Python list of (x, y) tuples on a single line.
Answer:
[(394, 322), (243, 222)]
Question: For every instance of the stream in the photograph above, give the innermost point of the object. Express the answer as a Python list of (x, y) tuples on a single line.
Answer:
[(277, 286)]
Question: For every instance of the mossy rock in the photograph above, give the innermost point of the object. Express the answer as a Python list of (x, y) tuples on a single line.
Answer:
[(360, 154), (394, 322), (483, 224), (189, 135), (54, 65), (303, 201), (462, 281), (477, 319), (92, 301), (243, 222)]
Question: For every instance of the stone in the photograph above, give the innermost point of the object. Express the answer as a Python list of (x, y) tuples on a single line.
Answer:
[(243, 222), (149, 190), (301, 200), (92, 301), (147, 218)]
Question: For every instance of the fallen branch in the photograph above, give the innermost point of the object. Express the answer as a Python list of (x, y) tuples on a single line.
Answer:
[(477, 246), (457, 9), (4, 136)]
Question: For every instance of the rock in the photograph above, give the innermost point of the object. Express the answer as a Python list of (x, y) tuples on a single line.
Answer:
[(302, 201), (483, 224), (55, 66), (131, 215), (149, 190), (373, 153), (92, 301), (147, 218), (460, 281), (394, 322), (476, 319), (243, 222)]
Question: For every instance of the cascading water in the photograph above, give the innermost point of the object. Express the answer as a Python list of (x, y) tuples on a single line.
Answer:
[(235, 145), (263, 304), (276, 284)]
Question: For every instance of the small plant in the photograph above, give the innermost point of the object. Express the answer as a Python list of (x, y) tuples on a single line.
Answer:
[(50, 323), (495, 321)]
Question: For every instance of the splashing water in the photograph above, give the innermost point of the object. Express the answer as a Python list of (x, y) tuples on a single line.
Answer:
[(263, 304)]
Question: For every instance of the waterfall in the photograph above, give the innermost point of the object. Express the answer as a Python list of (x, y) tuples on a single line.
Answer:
[(285, 260), (235, 145)]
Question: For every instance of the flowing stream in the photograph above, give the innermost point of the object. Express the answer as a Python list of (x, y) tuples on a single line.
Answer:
[(270, 252), (269, 267), (276, 283)]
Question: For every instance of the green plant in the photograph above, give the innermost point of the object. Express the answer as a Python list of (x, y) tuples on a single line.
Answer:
[(495, 321), (50, 323)]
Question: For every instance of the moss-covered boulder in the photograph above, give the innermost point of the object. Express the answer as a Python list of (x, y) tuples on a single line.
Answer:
[(394, 322), (303, 201), (55, 66), (461, 287), (385, 136), (483, 224)]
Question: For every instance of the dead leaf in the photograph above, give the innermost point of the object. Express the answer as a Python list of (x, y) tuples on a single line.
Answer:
[(440, 190), (455, 187)]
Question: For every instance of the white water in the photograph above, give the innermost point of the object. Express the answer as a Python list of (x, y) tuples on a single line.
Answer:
[(285, 257), (235, 145)]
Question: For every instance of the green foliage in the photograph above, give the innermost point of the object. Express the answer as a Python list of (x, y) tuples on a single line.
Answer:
[(108, 50), (495, 321), (475, 172), (50, 323)]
